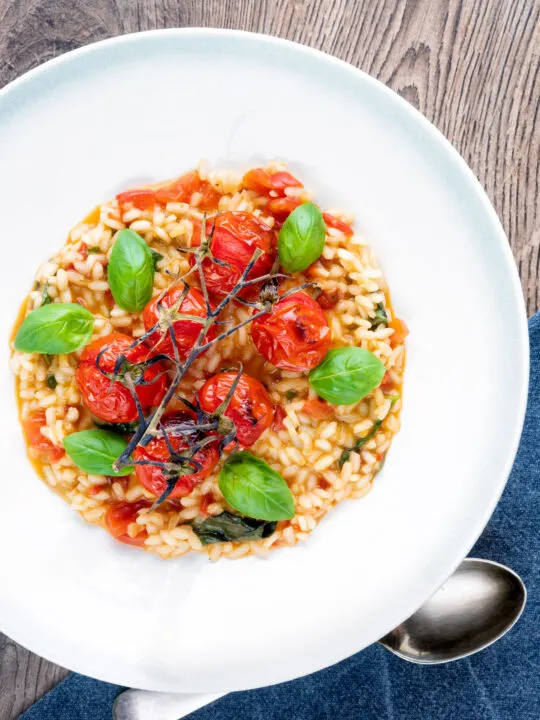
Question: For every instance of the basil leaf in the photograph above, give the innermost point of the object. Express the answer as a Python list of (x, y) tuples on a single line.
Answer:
[(55, 329), (227, 527), (346, 375), (301, 239), (131, 271), (95, 451), (94, 250), (51, 382), (380, 319), (250, 486)]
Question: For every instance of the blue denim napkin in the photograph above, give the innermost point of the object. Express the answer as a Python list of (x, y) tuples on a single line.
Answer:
[(500, 683)]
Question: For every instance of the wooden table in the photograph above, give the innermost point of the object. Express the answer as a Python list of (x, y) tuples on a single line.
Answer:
[(471, 66)]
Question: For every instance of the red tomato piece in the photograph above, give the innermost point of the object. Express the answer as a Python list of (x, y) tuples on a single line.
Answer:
[(112, 401), (186, 332), (235, 238), (294, 335), (152, 476), (250, 408), (318, 409), (337, 224), (119, 516), (207, 500), (179, 190), (141, 198), (263, 182), (400, 332), (32, 428), (282, 207), (279, 417), (328, 299)]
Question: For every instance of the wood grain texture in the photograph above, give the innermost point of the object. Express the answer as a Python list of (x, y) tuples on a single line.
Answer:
[(471, 66)]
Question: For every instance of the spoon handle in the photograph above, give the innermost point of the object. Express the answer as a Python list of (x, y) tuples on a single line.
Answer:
[(143, 705)]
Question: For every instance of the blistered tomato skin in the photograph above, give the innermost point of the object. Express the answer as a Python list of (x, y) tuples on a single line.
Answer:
[(295, 335), (186, 331), (112, 401), (250, 408), (236, 236), (153, 477)]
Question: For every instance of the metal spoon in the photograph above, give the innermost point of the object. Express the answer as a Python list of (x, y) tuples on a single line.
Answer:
[(476, 606)]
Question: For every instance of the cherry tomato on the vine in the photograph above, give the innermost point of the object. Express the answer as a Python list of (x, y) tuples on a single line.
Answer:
[(236, 236), (294, 335), (152, 476), (186, 331), (250, 407), (112, 401)]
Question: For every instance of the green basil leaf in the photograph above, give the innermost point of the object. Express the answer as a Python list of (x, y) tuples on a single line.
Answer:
[(52, 382), (301, 239), (227, 527), (94, 250), (95, 451), (250, 486), (131, 271), (55, 329), (346, 375)]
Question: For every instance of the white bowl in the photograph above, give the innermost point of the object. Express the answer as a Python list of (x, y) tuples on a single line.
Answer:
[(147, 107)]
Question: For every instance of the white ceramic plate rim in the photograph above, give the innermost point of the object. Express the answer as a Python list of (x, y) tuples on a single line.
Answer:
[(15, 629)]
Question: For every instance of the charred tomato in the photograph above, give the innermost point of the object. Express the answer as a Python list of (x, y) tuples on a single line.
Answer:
[(111, 400), (294, 335), (185, 331), (235, 238), (178, 430), (250, 407)]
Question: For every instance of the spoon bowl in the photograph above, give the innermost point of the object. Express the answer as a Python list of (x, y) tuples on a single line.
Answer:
[(478, 604)]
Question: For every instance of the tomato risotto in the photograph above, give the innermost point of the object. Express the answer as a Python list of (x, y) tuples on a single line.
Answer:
[(210, 364)]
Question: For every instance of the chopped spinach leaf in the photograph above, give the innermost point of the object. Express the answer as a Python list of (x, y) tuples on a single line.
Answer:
[(227, 527), (380, 319)]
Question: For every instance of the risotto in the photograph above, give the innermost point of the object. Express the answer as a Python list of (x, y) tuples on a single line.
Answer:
[(210, 364)]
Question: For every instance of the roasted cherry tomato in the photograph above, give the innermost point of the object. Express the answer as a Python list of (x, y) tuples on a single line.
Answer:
[(186, 332), (250, 408), (264, 183), (294, 335), (236, 236), (119, 516), (152, 476), (32, 427), (112, 401), (179, 190), (334, 222)]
